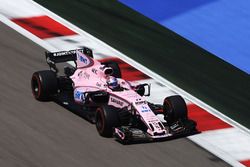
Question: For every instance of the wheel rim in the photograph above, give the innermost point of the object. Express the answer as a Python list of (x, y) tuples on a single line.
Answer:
[(36, 86)]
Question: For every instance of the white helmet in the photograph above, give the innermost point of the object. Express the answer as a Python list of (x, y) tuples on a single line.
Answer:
[(112, 82)]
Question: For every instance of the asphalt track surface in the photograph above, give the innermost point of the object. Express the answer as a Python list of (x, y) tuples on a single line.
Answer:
[(35, 134)]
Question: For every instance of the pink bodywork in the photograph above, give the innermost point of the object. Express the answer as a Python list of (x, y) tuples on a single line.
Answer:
[(90, 76)]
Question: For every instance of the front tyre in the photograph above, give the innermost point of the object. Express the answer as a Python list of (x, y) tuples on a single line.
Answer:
[(174, 108), (106, 119), (44, 85)]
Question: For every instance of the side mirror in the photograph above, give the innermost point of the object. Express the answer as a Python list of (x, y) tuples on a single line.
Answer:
[(143, 89)]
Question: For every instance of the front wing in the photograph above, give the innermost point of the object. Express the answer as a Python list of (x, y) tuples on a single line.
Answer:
[(127, 134)]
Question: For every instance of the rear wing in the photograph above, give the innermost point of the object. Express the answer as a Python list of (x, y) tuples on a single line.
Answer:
[(63, 56)]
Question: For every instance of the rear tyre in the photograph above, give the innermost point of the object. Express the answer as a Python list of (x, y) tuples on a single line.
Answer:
[(106, 119), (174, 108), (115, 67), (44, 85)]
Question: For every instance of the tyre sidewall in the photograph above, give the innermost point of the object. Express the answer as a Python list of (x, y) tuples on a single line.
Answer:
[(175, 108), (46, 83), (106, 119)]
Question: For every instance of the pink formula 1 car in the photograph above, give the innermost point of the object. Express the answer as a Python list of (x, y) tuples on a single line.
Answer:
[(117, 107)]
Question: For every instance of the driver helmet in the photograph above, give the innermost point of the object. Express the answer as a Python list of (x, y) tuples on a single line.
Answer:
[(112, 82)]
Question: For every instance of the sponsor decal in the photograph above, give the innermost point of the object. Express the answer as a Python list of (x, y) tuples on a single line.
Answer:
[(140, 102), (145, 109), (78, 95), (98, 84), (83, 59), (79, 74), (116, 101), (94, 70), (83, 74), (57, 54), (86, 75)]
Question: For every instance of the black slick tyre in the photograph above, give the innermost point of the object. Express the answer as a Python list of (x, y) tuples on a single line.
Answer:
[(44, 85), (174, 108), (106, 119)]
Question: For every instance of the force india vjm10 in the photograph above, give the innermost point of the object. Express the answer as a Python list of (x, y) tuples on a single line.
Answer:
[(117, 107)]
